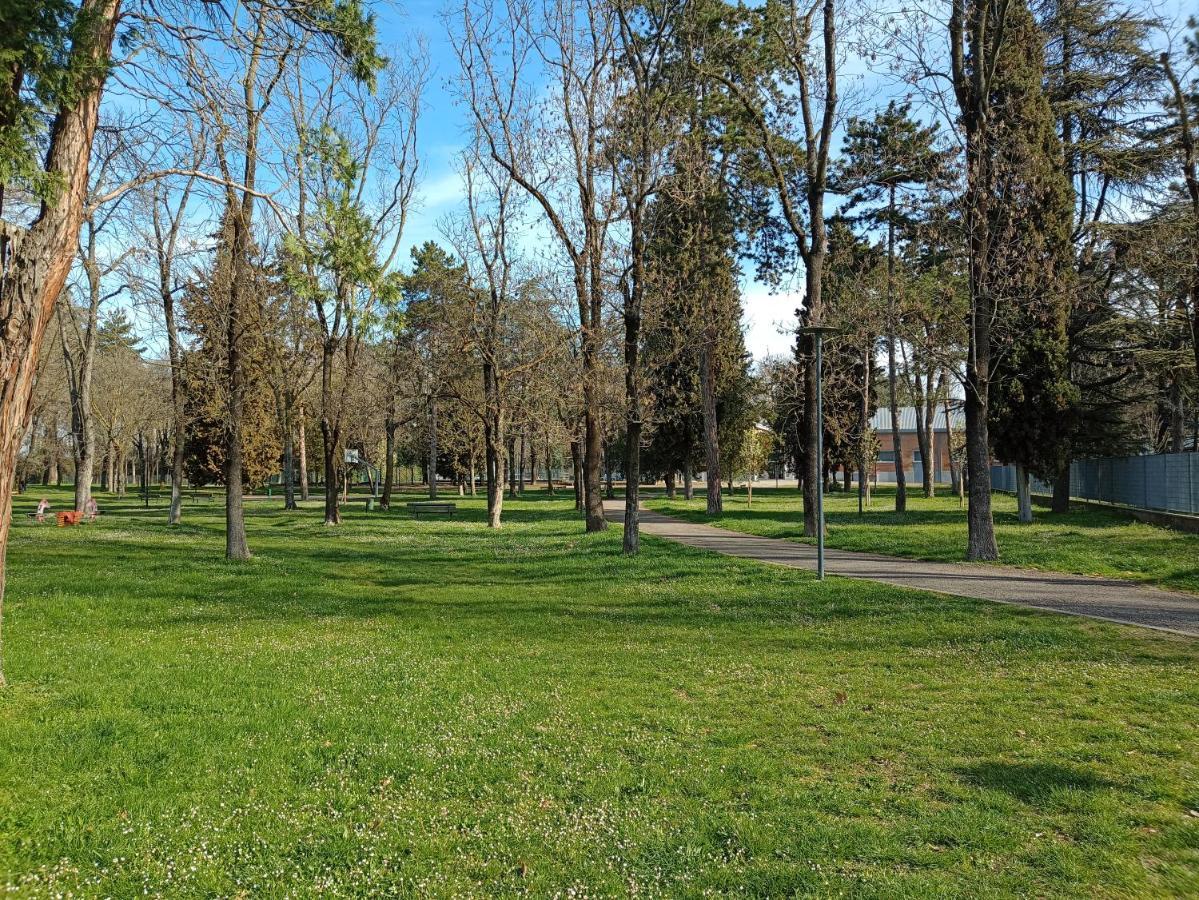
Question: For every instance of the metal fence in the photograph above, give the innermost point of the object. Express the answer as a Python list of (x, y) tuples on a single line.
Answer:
[(1164, 481)]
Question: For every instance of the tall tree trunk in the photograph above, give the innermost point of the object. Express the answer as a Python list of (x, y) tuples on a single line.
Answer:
[(955, 474), (330, 432), (549, 467), (512, 467), (389, 448), (289, 453), (901, 485), (34, 263), (331, 440), (707, 386), (432, 447), (864, 428), (303, 454), (577, 464), (236, 546), (972, 62), (1061, 489), (669, 480), (1023, 495), (981, 541), (520, 471), (929, 432), (493, 449), (688, 481), (493, 438)]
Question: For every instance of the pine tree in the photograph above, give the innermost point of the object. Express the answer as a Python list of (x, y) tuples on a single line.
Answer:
[(885, 157)]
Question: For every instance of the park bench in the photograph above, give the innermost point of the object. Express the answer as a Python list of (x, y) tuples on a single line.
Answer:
[(198, 495), (432, 508)]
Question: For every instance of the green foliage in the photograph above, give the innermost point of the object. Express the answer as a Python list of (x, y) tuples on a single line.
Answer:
[(336, 264), (205, 373), (1103, 80), (117, 332), (886, 155), (43, 47), (1032, 274)]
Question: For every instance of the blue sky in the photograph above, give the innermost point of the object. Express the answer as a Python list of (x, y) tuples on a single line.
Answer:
[(767, 315), (444, 132)]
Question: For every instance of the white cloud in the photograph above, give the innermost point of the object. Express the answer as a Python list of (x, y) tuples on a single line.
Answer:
[(444, 190), (769, 319)]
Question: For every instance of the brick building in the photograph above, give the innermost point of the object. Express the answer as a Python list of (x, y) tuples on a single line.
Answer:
[(913, 465)]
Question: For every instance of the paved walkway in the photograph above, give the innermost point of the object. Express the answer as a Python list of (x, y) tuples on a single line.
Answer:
[(1078, 595)]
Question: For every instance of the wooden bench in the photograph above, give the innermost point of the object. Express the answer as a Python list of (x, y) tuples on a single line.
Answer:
[(432, 508), (197, 495)]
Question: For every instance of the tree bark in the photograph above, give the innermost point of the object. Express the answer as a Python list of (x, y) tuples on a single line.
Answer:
[(389, 430), (303, 454), (331, 440), (289, 454), (972, 61), (707, 382), (1023, 495), (901, 486), (38, 260), (493, 436), (432, 447), (981, 541), (577, 474), (688, 481), (1061, 490), (512, 467)]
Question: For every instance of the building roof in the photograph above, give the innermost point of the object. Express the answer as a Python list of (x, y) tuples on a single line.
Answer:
[(907, 419)]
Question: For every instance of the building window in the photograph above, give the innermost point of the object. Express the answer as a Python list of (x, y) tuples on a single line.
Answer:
[(887, 456)]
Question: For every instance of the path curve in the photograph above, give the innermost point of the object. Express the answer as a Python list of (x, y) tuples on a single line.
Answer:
[(1108, 599)]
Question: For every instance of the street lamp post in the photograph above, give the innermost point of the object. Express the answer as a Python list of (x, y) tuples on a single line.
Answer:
[(818, 332)]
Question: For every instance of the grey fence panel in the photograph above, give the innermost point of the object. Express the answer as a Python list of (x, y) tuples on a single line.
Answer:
[(1165, 481)]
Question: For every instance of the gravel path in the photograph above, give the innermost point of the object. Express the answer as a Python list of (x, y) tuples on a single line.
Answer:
[(1079, 595)]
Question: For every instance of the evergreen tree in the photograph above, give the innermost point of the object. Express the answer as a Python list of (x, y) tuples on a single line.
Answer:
[(206, 385), (885, 157), (1101, 77), (694, 345), (1032, 258)]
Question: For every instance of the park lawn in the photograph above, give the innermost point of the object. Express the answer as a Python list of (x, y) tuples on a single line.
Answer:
[(1085, 541), (432, 708)]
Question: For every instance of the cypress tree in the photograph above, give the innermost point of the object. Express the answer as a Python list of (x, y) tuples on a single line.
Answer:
[(1031, 393)]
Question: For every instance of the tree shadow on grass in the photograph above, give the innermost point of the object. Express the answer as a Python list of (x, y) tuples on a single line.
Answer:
[(1033, 783)]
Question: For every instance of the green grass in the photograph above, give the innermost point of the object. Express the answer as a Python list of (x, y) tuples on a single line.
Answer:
[(1085, 541), (431, 708)]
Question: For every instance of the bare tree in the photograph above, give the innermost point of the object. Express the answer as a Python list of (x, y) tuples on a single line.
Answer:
[(504, 48), (97, 266), (643, 138), (354, 176)]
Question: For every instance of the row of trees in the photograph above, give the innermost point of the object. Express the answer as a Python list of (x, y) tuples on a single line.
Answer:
[(1017, 227)]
